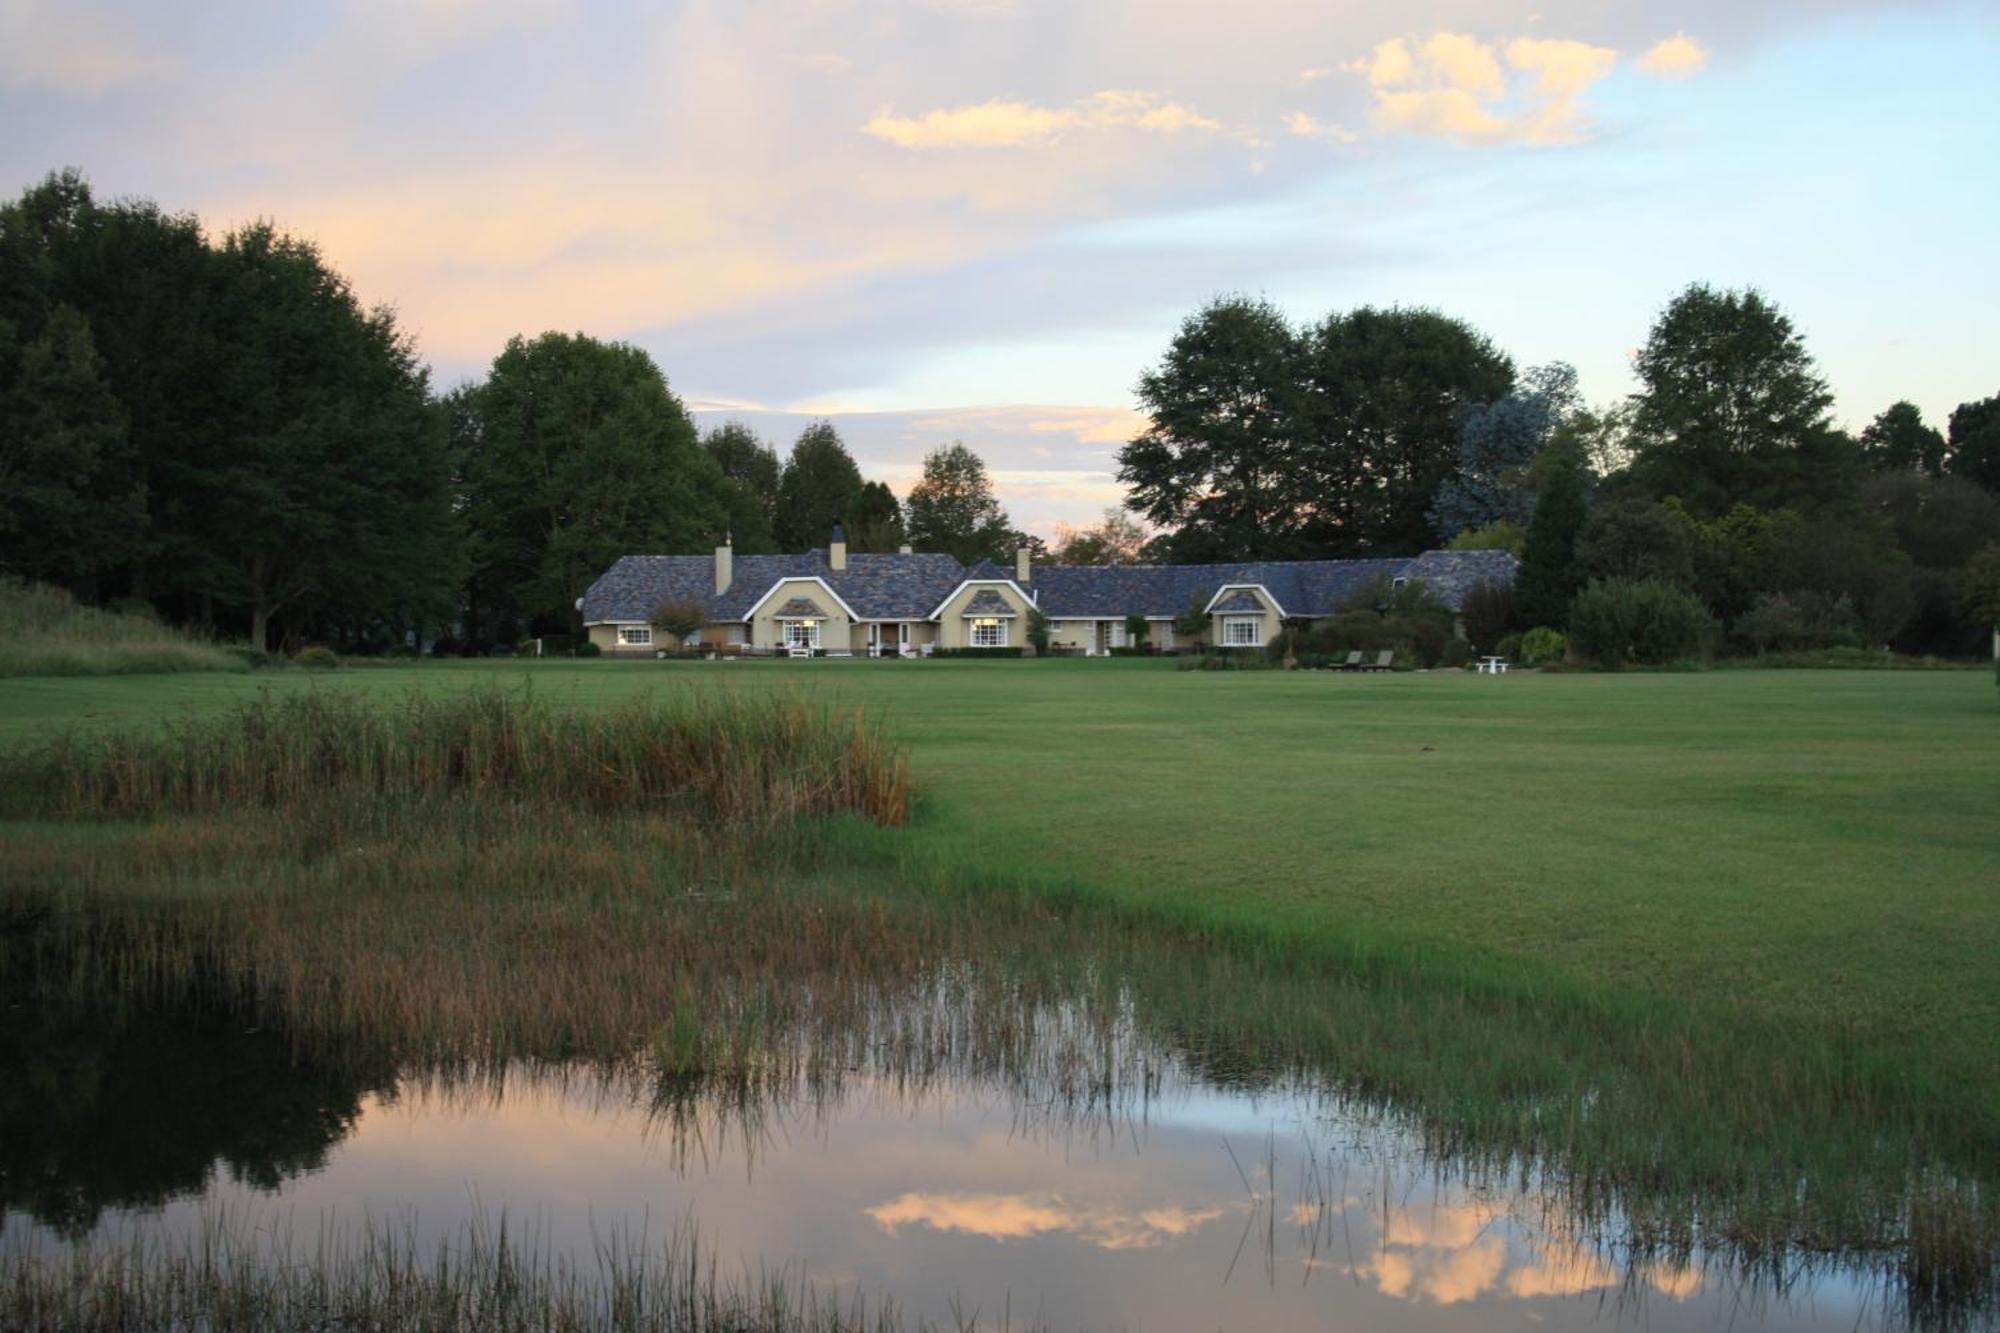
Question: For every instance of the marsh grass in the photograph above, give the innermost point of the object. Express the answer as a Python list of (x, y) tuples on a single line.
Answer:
[(229, 1278), (733, 760), (46, 632)]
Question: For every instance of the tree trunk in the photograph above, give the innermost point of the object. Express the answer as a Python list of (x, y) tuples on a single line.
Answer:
[(260, 626)]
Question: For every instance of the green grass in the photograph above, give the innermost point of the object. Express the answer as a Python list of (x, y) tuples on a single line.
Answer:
[(45, 632)]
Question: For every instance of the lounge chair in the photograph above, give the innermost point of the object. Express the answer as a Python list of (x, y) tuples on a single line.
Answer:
[(1353, 662), (1382, 660)]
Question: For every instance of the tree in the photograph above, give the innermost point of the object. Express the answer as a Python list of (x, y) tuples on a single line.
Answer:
[(1137, 629), (1634, 539), (1489, 612), (746, 460), (680, 617), (1384, 394), (819, 486), (1118, 540), (1975, 443), (875, 520), (1215, 460), (1497, 443), (1940, 522), (58, 420), (1550, 574), (1192, 624), (1731, 408), (1899, 441), (952, 509), (584, 455), (1618, 621), (1979, 592), (1038, 630)]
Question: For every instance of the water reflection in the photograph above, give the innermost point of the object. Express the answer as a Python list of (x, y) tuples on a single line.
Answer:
[(1142, 1194)]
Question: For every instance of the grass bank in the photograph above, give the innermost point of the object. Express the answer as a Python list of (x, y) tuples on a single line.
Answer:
[(46, 632)]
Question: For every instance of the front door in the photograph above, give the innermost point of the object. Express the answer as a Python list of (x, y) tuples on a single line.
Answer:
[(903, 638)]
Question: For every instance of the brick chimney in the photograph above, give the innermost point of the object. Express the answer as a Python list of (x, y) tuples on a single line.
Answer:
[(725, 565), (1023, 571), (836, 549)]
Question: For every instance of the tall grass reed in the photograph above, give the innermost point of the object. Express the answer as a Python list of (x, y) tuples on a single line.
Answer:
[(46, 632)]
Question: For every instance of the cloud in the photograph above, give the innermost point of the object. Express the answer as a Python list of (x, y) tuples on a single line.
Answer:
[(1678, 57), (1308, 127), (998, 124), (1454, 86), (1021, 1216), (75, 50)]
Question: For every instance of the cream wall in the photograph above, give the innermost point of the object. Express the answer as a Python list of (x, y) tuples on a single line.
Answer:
[(1268, 619), (952, 630), (835, 632)]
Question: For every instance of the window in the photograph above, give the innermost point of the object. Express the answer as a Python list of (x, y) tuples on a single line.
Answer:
[(801, 633), (989, 632), (1163, 635), (1242, 631), (635, 636)]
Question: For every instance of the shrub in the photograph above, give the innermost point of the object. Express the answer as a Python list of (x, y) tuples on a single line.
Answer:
[(316, 658), (1137, 630), (1038, 631), (1542, 646), (1509, 648), (1224, 660), (975, 652), (1457, 655), (1616, 622), (46, 632), (679, 617), (588, 649), (1488, 613), (1792, 621)]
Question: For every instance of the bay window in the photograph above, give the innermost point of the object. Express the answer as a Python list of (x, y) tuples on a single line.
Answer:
[(1242, 631)]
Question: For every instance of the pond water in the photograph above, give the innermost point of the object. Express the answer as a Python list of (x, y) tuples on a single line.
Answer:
[(1176, 1204)]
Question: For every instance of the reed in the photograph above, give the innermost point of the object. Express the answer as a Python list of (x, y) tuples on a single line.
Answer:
[(728, 759), (46, 632)]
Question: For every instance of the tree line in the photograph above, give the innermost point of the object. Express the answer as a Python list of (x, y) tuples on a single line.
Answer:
[(216, 431), (1722, 479)]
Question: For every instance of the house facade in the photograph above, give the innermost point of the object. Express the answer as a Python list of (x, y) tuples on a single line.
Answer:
[(910, 605)]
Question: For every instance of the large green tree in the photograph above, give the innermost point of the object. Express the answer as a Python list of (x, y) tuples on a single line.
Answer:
[(818, 489), (1268, 443), (1975, 443), (875, 519), (952, 509), (1731, 408), (1386, 391), (582, 454), (753, 465), (1551, 575), (1899, 440), (1215, 462)]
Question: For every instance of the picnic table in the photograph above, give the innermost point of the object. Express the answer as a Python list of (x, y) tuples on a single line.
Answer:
[(1492, 666)]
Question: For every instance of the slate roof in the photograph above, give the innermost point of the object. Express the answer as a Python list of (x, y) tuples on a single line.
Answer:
[(909, 587), (987, 602), (799, 608), (1242, 600)]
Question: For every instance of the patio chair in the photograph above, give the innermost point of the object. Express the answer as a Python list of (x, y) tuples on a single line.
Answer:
[(1353, 662), (1382, 660)]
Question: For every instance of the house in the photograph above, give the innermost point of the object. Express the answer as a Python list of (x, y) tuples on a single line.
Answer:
[(910, 605)]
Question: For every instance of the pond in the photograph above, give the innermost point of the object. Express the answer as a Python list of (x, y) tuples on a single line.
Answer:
[(1138, 1194)]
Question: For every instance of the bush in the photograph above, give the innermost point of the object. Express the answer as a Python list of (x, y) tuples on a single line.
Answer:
[(1488, 613), (1457, 655), (1794, 621), (46, 632), (976, 652), (1618, 622), (588, 649), (1225, 660), (316, 658), (1542, 646)]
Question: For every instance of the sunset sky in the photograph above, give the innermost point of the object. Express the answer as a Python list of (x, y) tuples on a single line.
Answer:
[(983, 218)]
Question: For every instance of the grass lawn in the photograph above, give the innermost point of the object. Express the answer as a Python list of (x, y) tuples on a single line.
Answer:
[(1819, 848)]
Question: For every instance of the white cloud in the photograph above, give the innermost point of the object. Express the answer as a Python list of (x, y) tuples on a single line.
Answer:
[(998, 124), (1453, 86), (1678, 57), (1309, 127)]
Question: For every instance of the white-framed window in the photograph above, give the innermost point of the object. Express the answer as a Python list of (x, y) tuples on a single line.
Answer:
[(635, 636), (1114, 634), (1163, 635), (989, 632), (1242, 631), (801, 633)]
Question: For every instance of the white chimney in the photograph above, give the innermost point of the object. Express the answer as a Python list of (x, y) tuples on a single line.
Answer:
[(1022, 571), (725, 565), (836, 549), (904, 549)]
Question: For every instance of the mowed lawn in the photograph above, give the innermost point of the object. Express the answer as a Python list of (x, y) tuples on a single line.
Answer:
[(1816, 847)]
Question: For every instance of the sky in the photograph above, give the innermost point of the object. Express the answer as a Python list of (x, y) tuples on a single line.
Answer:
[(984, 219)]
